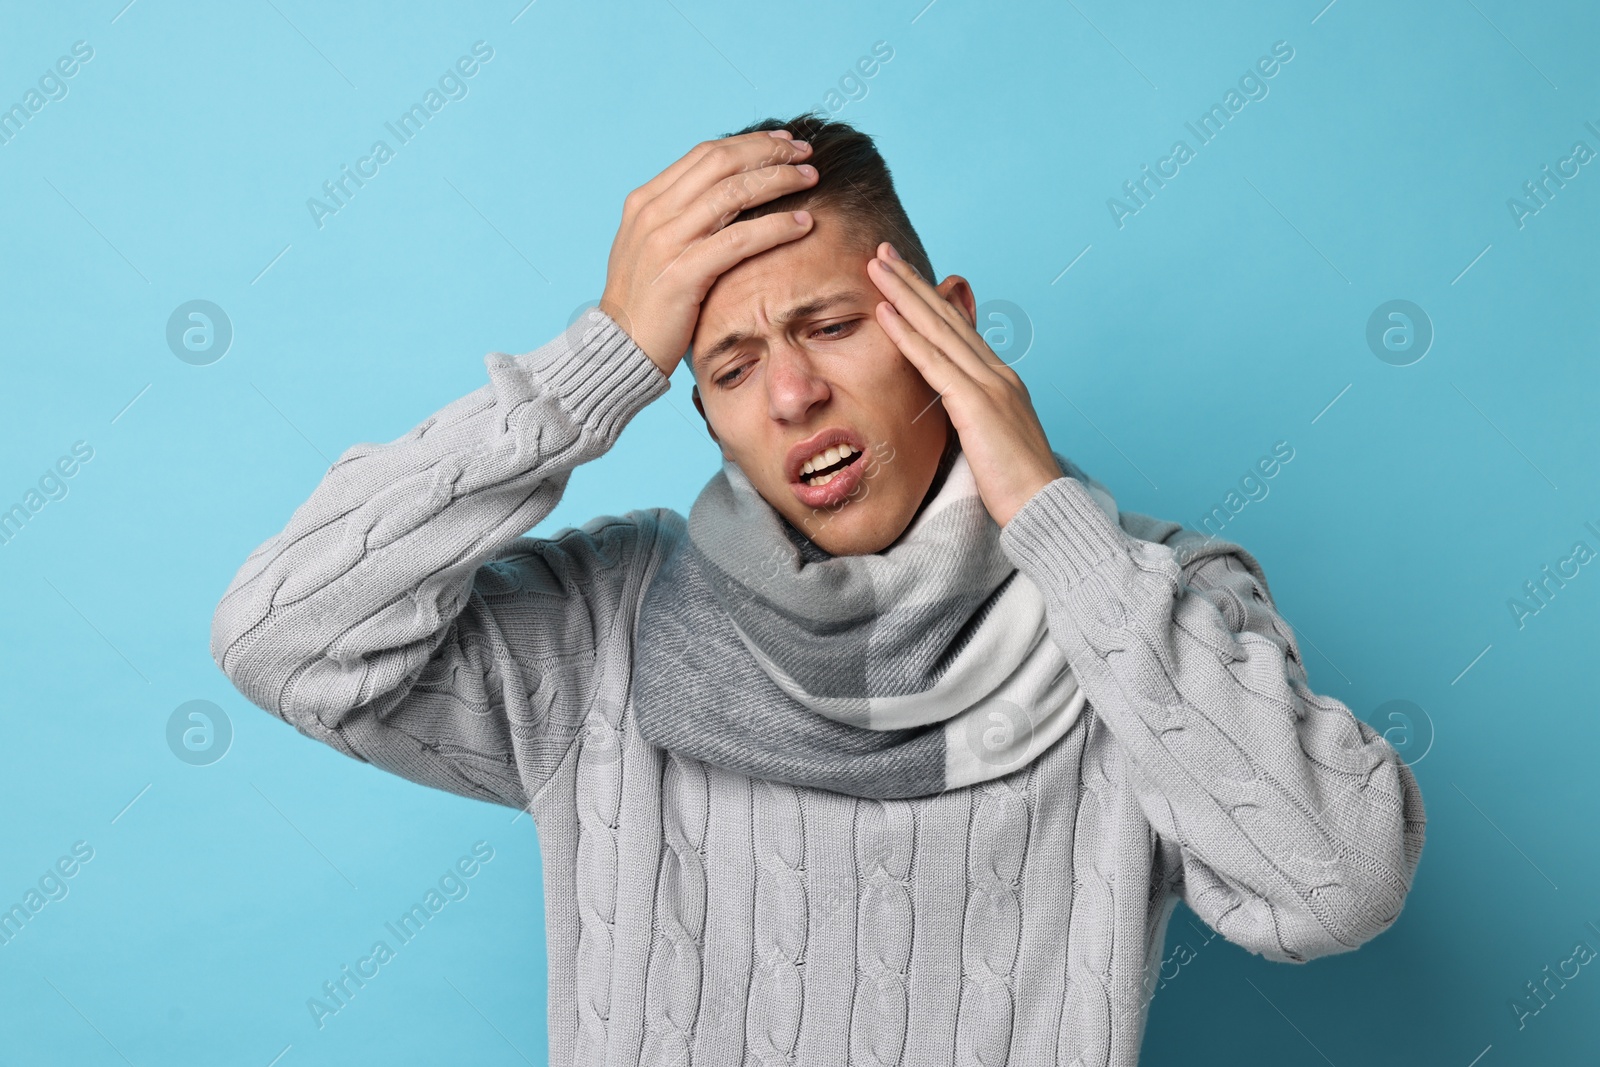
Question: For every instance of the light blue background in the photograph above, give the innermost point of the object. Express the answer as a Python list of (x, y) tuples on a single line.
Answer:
[(1226, 315)]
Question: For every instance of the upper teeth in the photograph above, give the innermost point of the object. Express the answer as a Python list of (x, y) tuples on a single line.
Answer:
[(827, 459)]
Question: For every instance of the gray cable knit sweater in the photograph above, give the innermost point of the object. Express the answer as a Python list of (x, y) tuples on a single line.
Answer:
[(696, 916)]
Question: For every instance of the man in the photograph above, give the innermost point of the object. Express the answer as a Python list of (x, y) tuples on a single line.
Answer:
[(902, 747)]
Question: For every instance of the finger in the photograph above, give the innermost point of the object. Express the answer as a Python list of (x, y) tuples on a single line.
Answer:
[(967, 345), (732, 195), (723, 161), (925, 287), (665, 180), (710, 256), (930, 294), (934, 364), (920, 304)]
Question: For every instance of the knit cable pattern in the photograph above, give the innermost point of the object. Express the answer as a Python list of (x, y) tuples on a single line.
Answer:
[(401, 618), (598, 791), (1298, 826), (673, 978), (884, 914), (996, 849), (782, 926)]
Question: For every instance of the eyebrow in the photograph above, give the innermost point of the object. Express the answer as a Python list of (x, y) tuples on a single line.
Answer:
[(800, 311)]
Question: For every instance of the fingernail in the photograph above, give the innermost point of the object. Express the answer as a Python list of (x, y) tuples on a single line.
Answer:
[(801, 144), (894, 253), (779, 133), (807, 169)]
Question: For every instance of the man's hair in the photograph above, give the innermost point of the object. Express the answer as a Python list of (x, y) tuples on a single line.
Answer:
[(853, 183)]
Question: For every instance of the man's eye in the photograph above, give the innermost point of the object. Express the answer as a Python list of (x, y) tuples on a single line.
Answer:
[(830, 331)]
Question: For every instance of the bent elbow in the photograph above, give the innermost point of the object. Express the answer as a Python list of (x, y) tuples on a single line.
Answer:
[(1348, 901), (227, 629), (1358, 905), (1329, 925), (1338, 909), (256, 666), (1301, 931)]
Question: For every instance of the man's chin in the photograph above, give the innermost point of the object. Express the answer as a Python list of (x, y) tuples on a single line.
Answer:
[(870, 520), (859, 528)]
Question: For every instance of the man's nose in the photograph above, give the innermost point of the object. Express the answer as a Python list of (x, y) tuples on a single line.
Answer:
[(794, 382)]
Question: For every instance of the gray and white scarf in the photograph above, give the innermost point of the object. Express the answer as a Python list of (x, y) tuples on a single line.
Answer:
[(908, 672)]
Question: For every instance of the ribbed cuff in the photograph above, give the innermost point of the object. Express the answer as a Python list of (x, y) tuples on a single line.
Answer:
[(600, 375), (1061, 534)]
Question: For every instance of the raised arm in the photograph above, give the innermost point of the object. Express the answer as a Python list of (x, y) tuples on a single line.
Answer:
[(402, 619), (1296, 827)]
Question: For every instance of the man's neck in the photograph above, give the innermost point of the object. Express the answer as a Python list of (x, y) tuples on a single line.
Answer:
[(947, 459)]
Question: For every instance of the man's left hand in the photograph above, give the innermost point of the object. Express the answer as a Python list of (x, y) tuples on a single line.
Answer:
[(987, 403)]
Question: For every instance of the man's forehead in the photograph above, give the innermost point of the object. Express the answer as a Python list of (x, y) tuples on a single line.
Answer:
[(783, 282)]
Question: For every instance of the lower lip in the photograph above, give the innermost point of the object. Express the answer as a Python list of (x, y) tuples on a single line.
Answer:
[(835, 492)]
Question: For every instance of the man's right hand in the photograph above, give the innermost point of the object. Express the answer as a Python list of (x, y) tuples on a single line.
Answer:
[(675, 239)]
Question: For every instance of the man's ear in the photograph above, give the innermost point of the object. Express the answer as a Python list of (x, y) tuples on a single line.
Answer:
[(955, 289), (695, 396)]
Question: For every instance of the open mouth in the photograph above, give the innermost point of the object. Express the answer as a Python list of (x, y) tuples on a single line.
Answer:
[(821, 476)]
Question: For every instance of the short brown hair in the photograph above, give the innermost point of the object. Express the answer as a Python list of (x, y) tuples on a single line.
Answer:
[(852, 180)]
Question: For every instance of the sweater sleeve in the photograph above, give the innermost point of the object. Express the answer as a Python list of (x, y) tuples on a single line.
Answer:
[(401, 618), (1293, 828)]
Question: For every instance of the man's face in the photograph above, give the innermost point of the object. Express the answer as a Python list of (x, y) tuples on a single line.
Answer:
[(809, 364)]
